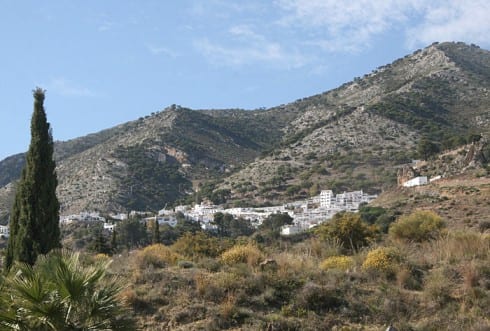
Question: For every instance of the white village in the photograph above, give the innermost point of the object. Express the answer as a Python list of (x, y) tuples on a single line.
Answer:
[(305, 213)]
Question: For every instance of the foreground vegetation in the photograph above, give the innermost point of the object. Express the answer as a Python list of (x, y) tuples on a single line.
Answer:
[(349, 274), (60, 292), (415, 268)]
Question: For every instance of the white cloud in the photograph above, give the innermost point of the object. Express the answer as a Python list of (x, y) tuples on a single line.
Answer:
[(245, 32), (340, 25), (158, 50), (225, 8), (453, 20), (68, 89), (245, 47), (299, 33), (350, 26), (105, 26), (271, 53)]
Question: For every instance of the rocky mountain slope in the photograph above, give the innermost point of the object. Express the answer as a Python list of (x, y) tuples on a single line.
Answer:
[(348, 138), (353, 137)]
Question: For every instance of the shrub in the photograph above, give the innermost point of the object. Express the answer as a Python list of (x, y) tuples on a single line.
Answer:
[(350, 231), (419, 226), (484, 226), (248, 254), (437, 287), (199, 245), (60, 293), (318, 298), (383, 260), (156, 255), (456, 246), (337, 262), (207, 289)]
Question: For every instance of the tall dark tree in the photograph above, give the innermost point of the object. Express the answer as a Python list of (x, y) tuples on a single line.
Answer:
[(156, 232), (34, 221)]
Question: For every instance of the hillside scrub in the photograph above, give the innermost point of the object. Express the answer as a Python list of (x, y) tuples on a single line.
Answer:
[(409, 284), (337, 262), (382, 260), (418, 226), (310, 281), (350, 231), (248, 254), (156, 255)]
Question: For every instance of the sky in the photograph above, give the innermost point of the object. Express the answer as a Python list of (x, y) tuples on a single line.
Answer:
[(106, 62)]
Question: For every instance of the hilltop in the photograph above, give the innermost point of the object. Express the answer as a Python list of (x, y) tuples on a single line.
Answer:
[(349, 138)]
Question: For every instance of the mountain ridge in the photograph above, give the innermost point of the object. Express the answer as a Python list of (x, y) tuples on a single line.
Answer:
[(347, 138)]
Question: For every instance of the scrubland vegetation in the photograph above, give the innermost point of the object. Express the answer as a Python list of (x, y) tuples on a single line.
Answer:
[(416, 273)]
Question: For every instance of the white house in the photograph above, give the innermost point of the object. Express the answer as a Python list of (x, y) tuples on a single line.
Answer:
[(288, 230), (417, 181), (169, 220), (4, 231), (109, 226), (326, 197), (120, 216)]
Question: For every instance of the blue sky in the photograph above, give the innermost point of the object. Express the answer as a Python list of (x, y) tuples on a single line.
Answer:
[(107, 62)]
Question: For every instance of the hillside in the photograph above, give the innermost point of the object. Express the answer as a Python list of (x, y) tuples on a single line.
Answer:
[(352, 137), (315, 281)]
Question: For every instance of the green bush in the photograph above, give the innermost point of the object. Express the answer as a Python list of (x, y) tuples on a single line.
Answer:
[(419, 226), (349, 230), (199, 245), (60, 293)]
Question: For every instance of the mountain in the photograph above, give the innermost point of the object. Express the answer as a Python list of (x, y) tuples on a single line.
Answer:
[(352, 137)]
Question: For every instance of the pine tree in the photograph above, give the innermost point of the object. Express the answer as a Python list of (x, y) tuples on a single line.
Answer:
[(34, 221)]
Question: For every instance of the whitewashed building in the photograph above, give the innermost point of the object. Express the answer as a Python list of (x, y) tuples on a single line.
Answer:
[(120, 216), (109, 226), (4, 231), (288, 230), (417, 181)]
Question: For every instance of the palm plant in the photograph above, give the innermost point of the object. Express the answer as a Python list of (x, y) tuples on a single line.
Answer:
[(60, 293)]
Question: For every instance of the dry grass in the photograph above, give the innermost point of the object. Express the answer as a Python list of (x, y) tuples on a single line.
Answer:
[(337, 262), (443, 282), (458, 246), (156, 256), (248, 254)]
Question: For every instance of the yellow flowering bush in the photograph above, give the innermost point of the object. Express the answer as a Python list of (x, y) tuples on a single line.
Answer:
[(157, 255), (341, 262), (199, 245), (382, 259), (242, 254)]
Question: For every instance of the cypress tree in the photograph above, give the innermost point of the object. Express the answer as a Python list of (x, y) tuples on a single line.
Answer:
[(156, 232), (34, 220), (114, 241)]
